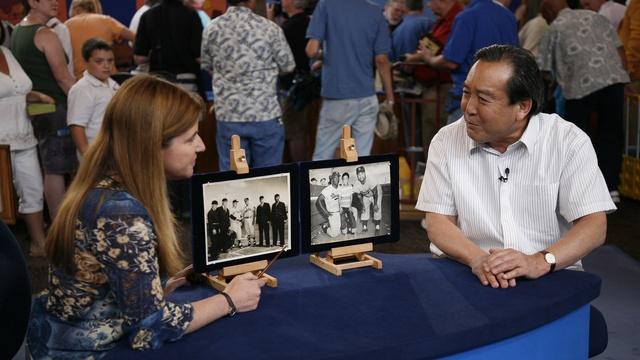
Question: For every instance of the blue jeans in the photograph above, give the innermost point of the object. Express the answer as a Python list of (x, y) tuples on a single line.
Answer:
[(262, 141), (360, 113)]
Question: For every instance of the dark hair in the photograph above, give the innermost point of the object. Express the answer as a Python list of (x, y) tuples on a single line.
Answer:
[(214, 202), (245, 199), (92, 45), (526, 80), (413, 5), (224, 200), (346, 173), (234, 201), (360, 169), (261, 197), (26, 7), (274, 196)]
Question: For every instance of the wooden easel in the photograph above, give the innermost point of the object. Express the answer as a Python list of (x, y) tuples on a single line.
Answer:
[(238, 159), (359, 252), (220, 281)]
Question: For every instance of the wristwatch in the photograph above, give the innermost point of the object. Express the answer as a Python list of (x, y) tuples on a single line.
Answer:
[(232, 306), (550, 259)]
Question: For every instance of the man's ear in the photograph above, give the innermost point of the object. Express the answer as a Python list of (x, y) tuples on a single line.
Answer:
[(525, 106)]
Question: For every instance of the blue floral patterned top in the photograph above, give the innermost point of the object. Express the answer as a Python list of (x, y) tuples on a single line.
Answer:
[(116, 290)]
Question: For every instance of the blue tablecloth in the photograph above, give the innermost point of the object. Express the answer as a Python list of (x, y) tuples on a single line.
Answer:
[(415, 307)]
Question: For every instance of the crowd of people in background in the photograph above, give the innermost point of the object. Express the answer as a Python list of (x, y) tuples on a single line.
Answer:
[(253, 63)]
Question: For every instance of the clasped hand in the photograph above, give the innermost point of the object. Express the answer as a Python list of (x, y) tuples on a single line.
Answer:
[(501, 267)]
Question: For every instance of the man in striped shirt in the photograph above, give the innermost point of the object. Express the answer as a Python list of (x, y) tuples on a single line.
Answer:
[(509, 191)]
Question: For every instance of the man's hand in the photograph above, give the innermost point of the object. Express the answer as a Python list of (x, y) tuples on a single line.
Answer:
[(512, 264), (479, 268)]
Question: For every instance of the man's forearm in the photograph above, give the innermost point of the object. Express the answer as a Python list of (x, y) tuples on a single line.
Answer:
[(447, 236), (587, 233), (440, 63), (384, 68)]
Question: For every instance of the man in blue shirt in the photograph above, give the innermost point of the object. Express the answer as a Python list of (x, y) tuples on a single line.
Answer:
[(480, 24), (353, 34), (413, 27)]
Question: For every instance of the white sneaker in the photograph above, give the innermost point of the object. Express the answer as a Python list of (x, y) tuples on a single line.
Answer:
[(423, 224), (615, 196)]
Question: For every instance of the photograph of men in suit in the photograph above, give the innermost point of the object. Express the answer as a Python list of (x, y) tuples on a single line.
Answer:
[(235, 217), (213, 229), (263, 215), (248, 219), (278, 217), (223, 217)]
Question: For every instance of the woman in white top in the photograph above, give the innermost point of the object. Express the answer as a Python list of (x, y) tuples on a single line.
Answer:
[(16, 131)]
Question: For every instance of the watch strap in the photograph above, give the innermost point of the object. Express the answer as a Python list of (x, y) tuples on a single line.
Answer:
[(232, 306)]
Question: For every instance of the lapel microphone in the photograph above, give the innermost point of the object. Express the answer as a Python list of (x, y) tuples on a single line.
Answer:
[(504, 178)]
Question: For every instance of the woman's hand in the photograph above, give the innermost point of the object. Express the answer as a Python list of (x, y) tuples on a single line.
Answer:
[(244, 291)]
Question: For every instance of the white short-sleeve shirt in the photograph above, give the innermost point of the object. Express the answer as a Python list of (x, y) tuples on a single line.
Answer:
[(553, 179), (87, 102)]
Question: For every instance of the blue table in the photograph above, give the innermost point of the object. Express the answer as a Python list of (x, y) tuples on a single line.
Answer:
[(416, 307)]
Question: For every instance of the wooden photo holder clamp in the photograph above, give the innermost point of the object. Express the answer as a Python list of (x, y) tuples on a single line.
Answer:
[(219, 282), (348, 145), (238, 159), (359, 252)]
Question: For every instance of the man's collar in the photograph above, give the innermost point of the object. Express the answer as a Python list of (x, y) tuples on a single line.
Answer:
[(239, 9), (528, 139)]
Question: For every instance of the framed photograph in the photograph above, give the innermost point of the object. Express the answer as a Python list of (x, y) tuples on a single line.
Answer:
[(349, 203), (8, 206), (238, 219)]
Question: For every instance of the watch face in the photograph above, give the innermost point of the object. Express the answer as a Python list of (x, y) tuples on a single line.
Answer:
[(550, 258)]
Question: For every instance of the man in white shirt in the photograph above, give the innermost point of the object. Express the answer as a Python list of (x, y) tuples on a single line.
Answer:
[(610, 9), (89, 97), (508, 191)]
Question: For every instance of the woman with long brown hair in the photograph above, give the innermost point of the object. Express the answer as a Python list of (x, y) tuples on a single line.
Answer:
[(115, 234)]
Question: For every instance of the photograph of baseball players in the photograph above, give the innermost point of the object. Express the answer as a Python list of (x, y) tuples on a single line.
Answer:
[(246, 217), (350, 202)]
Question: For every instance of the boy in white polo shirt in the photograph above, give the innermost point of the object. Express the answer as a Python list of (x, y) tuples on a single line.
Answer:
[(88, 98)]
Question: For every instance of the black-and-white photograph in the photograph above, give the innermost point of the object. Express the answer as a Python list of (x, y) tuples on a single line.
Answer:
[(246, 217), (350, 202)]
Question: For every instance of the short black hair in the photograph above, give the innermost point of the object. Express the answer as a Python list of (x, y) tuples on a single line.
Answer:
[(274, 196), (414, 5), (214, 202), (245, 199), (526, 79), (346, 173), (314, 179), (261, 197), (234, 201), (224, 200), (92, 45)]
